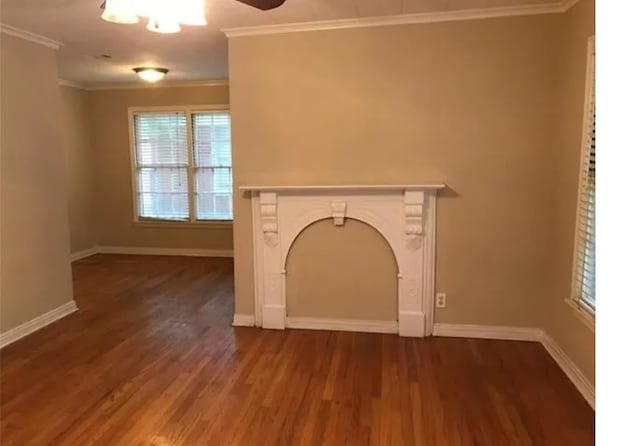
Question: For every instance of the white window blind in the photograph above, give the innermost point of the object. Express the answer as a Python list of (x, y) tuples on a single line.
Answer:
[(162, 165), (585, 274), (182, 163), (212, 161)]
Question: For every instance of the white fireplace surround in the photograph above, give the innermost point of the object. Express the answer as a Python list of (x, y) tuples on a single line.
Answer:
[(405, 216)]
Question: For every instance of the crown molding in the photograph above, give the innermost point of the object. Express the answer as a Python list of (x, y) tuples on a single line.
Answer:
[(146, 86), (403, 19), (568, 4), (72, 84), (31, 37)]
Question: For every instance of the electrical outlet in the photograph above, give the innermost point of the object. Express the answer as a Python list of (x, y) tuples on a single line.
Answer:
[(441, 300)]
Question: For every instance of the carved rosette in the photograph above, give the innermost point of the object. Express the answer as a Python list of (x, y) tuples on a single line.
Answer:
[(414, 219)]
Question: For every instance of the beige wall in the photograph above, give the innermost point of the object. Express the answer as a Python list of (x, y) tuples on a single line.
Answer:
[(572, 335), (80, 178), (468, 103), (114, 197), (325, 262), (34, 228)]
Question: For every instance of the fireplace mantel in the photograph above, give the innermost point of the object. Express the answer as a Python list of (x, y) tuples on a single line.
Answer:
[(355, 188), (404, 215)]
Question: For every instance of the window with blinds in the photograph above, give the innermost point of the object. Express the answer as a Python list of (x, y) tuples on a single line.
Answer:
[(162, 166), (182, 163), (212, 161), (585, 262)]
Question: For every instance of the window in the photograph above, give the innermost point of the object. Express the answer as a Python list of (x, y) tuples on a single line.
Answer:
[(212, 160), (182, 164), (584, 287)]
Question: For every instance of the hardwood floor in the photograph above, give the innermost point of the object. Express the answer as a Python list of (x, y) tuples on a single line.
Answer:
[(151, 359)]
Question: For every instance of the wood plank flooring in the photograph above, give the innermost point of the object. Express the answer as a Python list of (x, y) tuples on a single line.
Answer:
[(151, 359)]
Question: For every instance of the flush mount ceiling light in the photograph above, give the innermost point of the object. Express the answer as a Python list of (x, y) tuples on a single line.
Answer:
[(166, 16), (150, 74)]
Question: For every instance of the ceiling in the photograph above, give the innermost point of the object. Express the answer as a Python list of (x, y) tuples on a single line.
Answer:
[(196, 53)]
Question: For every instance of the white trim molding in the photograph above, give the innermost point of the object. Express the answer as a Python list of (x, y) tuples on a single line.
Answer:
[(487, 332), (209, 224), (579, 260), (31, 37), (583, 314), (79, 255), (502, 333), (72, 84), (584, 386), (19, 332), (403, 19), (357, 325), (243, 320), (189, 111), (404, 215), (568, 4), (579, 380), (308, 190), (146, 85), (149, 251)]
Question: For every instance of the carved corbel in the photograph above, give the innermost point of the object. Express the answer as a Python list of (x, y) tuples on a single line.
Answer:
[(269, 217), (338, 212), (414, 218)]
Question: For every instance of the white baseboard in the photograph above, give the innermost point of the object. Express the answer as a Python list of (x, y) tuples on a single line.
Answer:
[(244, 320), (78, 255), (584, 386), (274, 317), (11, 336), (135, 250), (410, 324), (359, 325), (487, 332)]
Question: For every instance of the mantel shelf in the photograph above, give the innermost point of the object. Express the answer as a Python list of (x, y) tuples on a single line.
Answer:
[(353, 187)]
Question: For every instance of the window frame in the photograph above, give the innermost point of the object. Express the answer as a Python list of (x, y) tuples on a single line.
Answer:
[(583, 311), (192, 222)]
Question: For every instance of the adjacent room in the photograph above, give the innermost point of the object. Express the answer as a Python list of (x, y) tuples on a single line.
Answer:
[(297, 222)]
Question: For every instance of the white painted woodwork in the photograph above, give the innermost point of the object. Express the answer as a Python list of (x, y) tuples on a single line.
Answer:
[(403, 214)]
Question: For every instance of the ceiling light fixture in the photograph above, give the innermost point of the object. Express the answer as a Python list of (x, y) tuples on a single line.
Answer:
[(150, 74), (165, 16), (163, 26), (192, 13), (119, 11)]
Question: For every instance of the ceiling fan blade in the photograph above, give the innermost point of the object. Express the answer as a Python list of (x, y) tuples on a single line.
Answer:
[(263, 4)]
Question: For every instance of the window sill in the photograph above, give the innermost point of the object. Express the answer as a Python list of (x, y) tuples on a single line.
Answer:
[(585, 316), (166, 224)]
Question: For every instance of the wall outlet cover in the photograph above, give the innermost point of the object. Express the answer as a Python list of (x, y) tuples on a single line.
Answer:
[(441, 300)]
